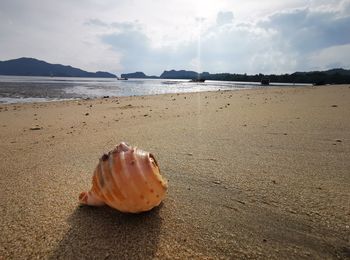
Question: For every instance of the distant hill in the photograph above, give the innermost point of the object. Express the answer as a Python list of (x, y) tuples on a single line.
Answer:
[(34, 67), (180, 74), (137, 75), (171, 74), (332, 76), (183, 74)]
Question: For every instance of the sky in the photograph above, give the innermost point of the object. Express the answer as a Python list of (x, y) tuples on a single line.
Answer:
[(235, 36)]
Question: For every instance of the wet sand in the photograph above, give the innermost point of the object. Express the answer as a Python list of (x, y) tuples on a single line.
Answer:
[(261, 173)]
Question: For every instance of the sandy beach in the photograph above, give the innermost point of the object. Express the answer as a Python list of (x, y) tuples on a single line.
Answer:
[(261, 173)]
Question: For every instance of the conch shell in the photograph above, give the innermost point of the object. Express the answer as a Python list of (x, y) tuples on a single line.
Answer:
[(127, 179)]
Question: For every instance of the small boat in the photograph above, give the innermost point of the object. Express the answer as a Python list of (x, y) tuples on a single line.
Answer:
[(265, 81), (122, 78), (197, 80)]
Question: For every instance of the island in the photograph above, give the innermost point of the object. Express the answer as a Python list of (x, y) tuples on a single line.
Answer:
[(137, 75), (35, 67), (332, 76)]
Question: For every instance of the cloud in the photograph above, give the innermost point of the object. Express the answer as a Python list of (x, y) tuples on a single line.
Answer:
[(96, 22), (228, 36), (332, 57), (55, 33), (128, 39), (133, 45), (224, 18), (283, 42), (305, 30), (138, 53)]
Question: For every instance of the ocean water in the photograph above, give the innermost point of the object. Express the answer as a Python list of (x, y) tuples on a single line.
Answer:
[(15, 89)]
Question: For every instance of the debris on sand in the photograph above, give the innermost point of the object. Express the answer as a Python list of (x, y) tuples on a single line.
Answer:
[(35, 128)]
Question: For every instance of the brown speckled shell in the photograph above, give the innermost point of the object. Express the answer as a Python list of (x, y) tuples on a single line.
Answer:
[(128, 179)]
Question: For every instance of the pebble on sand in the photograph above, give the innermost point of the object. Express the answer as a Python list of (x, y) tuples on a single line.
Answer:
[(35, 128)]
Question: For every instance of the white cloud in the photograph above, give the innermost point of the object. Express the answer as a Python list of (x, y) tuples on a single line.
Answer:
[(332, 57), (224, 18)]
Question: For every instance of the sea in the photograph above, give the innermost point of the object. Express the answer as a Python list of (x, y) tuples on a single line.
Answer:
[(20, 89)]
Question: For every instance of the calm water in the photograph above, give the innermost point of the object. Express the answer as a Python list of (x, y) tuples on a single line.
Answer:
[(39, 89)]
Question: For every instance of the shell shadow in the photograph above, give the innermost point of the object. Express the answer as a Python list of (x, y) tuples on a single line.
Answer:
[(104, 233)]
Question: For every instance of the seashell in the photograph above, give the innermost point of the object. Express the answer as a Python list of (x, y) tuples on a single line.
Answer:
[(127, 179)]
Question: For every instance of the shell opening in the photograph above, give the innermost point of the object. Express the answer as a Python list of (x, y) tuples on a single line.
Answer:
[(154, 159)]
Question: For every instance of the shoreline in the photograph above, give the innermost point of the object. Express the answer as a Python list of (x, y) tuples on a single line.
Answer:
[(150, 95), (18, 91), (259, 173)]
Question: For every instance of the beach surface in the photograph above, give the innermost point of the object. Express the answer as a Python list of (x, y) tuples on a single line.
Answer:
[(261, 173)]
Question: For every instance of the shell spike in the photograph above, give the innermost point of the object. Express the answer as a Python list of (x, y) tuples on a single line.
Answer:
[(122, 147)]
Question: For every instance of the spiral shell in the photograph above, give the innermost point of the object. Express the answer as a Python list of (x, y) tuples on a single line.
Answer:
[(127, 179)]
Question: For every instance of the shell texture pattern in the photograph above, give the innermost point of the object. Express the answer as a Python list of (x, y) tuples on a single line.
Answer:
[(127, 179)]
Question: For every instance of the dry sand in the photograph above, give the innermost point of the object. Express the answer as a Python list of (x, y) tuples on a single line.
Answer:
[(252, 174)]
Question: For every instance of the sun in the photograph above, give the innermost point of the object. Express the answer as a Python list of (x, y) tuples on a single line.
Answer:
[(208, 8)]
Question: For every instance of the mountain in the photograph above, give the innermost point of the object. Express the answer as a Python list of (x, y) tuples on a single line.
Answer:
[(171, 74), (137, 75), (333, 76), (182, 74), (338, 71), (34, 67)]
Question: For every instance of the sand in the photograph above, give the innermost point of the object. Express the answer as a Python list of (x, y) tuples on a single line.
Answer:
[(261, 173)]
